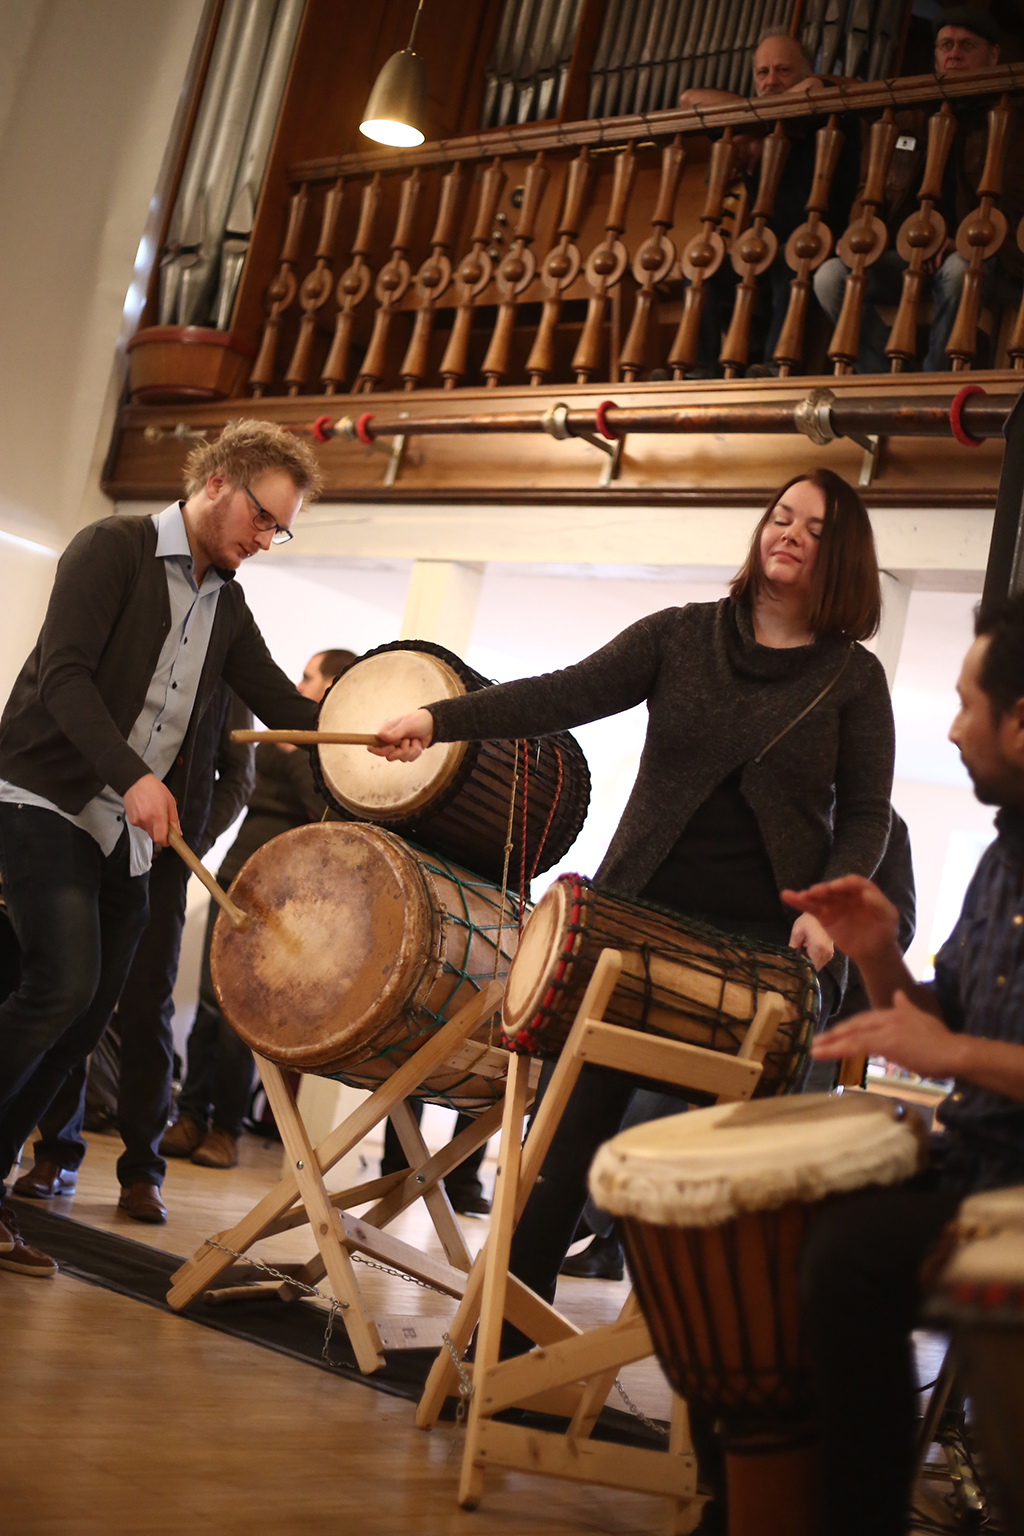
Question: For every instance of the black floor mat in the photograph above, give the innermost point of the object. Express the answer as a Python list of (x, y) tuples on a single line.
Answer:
[(144, 1274)]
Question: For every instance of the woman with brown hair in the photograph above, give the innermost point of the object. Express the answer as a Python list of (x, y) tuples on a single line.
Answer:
[(767, 764)]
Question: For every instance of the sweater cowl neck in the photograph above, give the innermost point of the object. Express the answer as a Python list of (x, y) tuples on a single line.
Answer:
[(766, 663)]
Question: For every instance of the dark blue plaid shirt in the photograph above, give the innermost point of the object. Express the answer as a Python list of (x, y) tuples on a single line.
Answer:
[(979, 981)]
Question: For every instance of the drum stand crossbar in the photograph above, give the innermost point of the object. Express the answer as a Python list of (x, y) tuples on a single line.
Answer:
[(300, 1198), (571, 1373)]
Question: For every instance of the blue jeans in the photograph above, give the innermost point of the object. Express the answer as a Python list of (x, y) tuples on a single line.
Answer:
[(77, 916), (884, 286)]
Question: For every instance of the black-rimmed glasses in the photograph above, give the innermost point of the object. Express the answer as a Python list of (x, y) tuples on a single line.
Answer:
[(264, 521)]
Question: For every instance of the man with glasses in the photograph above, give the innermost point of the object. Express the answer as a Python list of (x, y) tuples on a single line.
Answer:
[(97, 744)]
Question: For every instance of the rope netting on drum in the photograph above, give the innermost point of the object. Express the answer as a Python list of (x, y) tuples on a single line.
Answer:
[(470, 953), (731, 975)]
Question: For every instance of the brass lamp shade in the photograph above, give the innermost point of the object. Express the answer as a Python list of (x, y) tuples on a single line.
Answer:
[(397, 108)]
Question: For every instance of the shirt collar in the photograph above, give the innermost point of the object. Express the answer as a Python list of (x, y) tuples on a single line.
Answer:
[(172, 538)]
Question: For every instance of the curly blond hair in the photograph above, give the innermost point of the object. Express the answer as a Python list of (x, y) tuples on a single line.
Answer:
[(246, 449)]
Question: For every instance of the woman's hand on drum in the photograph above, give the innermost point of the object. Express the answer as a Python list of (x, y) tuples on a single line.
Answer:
[(405, 737), (808, 934), (906, 1035), (853, 912)]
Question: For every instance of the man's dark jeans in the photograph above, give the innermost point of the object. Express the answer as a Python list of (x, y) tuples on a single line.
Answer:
[(78, 916), (221, 1070), (144, 1017)]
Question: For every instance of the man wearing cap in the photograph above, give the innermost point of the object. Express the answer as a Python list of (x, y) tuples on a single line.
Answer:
[(98, 741), (965, 39)]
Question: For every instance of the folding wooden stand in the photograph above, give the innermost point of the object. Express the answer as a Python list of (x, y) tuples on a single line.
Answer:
[(571, 1373), (301, 1198)]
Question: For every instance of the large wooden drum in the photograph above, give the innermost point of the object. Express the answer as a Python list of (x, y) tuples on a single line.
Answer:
[(720, 979), (980, 1298), (713, 1207), (358, 948), (456, 796)]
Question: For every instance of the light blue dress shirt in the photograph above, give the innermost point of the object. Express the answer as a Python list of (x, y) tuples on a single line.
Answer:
[(160, 729)]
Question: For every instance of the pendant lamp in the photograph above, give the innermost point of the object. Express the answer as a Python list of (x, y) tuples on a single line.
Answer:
[(397, 108)]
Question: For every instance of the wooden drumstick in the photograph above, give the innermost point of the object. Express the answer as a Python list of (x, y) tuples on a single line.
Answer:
[(239, 919), (310, 738)]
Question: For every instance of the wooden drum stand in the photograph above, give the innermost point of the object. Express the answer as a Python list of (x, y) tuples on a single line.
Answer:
[(571, 1372), (301, 1198)]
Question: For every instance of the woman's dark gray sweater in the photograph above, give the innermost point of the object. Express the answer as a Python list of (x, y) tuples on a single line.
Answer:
[(716, 699)]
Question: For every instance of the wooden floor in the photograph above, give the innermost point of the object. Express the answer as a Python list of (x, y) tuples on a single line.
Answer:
[(117, 1418)]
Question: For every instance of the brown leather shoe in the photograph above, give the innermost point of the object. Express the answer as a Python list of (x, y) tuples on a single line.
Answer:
[(182, 1138), (142, 1202), (219, 1149), (46, 1180), (20, 1257)]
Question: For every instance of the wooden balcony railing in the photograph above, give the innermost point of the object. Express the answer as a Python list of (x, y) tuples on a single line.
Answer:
[(582, 252)]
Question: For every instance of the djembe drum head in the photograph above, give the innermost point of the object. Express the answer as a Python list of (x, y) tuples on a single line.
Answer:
[(466, 800)]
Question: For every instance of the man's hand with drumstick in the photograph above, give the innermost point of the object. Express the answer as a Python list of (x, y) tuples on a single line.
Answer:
[(405, 737), (150, 805)]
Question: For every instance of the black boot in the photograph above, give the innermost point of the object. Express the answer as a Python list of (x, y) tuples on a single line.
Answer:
[(600, 1260)]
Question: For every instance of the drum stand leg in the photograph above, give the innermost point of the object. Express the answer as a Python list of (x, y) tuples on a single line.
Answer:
[(300, 1197), (571, 1373)]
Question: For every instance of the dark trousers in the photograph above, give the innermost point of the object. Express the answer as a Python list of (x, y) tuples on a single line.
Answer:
[(144, 1016), (78, 916), (860, 1296), (465, 1178), (221, 1071)]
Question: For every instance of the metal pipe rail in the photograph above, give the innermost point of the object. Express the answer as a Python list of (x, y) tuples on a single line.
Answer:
[(969, 416)]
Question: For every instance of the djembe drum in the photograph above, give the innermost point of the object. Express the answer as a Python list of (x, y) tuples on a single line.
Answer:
[(358, 948), (713, 1207), (980, 1299), (721, 980), (456, 798)]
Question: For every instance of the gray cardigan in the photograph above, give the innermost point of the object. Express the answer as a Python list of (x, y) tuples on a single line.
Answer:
[(716, 699)]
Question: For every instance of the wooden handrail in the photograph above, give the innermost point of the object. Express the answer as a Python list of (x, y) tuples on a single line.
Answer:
[(613, 132)]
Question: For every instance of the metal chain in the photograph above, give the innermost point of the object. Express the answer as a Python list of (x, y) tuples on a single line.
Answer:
[(300, 1285), (652, 1424), (399, 1274), (465, 1380)]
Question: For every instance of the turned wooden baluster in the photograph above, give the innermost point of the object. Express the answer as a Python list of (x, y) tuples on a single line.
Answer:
[(919, 237), (392, 281), (353, 286), (433, 278), (474, 274), (702, 257), (979, 237), (807, 248), (281, 294), (654, 260), (605, 266), (1015, 345), (315, 291), (560, 268), (754, 252), (862, 245), (515, 273)]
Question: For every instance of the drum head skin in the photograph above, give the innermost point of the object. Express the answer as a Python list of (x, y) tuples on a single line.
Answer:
[(545, 950), (379, 688), (340, 922), (709, 1166)]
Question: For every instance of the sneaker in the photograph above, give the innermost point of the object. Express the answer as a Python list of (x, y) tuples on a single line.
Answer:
[(20, 1257), (182, 1138), (219, 1149)]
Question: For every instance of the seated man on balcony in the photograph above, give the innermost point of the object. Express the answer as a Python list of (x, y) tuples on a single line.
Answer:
[(781, 66), (965, 39)]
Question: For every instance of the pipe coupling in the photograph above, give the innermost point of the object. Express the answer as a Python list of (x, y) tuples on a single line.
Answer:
[(813, 416)]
